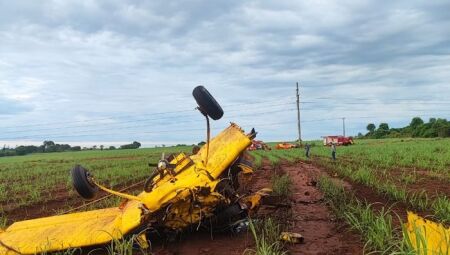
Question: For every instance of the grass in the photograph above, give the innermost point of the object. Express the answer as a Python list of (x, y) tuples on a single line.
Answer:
[(33, 179), (364, 175), (419, 200), (429, 154), (267, 238), (385, 185), (390, 167), (282, 185), (375, 227), (273, 159), (3, 221), (121, 247), (441, 208), (257, 160)]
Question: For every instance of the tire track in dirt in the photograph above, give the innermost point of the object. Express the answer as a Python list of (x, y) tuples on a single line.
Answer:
[(307, 214), (314, 220)]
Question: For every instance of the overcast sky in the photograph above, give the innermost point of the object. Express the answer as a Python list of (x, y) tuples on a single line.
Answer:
[(109, 71)]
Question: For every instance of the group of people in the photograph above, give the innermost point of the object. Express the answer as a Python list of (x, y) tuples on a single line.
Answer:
[(333, 150)]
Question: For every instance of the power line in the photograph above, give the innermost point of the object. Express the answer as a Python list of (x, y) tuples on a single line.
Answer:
[(57, 135), (145, 114), (111, 125), (343, 110), (383, 100), (341, 101), (291, 122), (171, 131), (167, 115), (130, 127), (132, 121)]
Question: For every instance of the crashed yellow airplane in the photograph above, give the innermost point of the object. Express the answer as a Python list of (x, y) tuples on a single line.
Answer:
[(183, 191)]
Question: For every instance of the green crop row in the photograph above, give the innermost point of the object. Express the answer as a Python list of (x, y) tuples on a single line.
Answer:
[(375, 227), (423, 154), (361, 164), (37, 178), (440, 205)]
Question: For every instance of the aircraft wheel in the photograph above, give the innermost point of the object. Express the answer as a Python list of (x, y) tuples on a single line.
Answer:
[(208, 105), (82, 183)]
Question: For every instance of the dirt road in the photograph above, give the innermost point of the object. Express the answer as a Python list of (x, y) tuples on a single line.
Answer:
[(308, 215), (312, 218)]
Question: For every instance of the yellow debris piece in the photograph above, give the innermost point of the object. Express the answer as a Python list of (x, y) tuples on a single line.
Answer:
[(291, 237), (427, 237)]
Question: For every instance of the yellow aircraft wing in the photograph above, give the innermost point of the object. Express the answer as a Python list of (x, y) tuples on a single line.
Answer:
[(70, 231)]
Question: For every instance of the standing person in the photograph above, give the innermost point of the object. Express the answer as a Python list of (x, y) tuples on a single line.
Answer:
[(333, 151), (307, 147)]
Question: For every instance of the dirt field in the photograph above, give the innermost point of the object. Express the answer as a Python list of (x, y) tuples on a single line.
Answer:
[(305, 213), (307, 210)]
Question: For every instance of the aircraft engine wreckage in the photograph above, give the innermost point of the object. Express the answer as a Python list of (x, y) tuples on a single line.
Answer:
[(184, 191)]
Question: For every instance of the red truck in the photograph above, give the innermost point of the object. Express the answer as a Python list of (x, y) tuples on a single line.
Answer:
[(337, 139)]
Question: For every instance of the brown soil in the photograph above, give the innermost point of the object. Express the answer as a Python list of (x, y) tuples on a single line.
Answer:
[(311, 217), (306, 214), (431, 183), (378, 201), (206, 244)]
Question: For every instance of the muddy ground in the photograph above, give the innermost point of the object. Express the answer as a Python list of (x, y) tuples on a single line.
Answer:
[(306, 213)]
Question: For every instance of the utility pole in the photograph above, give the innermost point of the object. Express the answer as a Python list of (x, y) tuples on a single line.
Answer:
[(298, 117), (343, 126)]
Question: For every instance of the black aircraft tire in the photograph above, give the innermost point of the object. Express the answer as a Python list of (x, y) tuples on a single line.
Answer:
[(207, 103), (81, 183), (246, 162)]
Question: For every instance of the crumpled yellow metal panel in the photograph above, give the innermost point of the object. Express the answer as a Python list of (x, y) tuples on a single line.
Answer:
[(223, 151), (71, 230), (427, 237)]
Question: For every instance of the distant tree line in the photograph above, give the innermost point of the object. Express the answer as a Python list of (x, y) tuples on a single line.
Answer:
[(50, 146), (133, 145), (416, 128)]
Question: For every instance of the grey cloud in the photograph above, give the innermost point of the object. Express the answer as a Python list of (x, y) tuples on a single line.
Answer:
[(106, 58)]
